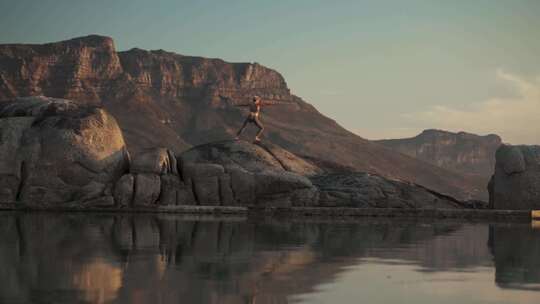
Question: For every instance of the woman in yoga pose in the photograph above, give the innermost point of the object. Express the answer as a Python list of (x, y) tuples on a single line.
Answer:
[(253, 117)]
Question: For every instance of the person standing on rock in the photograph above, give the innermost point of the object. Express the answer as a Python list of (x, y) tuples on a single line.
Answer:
[(253, 117)]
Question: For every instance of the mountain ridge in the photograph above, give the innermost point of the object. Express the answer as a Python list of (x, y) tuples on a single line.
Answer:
[(165, 99), (466, 153)]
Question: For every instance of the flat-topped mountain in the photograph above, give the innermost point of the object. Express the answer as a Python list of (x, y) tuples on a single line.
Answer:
[(461, 152), (165, 99)]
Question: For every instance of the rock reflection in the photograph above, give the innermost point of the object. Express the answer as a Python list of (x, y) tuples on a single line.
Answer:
[(516, 251), (98, 258)]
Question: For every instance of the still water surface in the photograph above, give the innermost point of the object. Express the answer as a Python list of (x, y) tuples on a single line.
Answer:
[(143, 258)]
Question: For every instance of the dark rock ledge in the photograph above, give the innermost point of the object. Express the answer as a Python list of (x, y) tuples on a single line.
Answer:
[(61, 155)]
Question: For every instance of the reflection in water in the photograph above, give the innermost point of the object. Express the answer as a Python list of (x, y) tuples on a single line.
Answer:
[(99, 281), (103, 258), (517, 256)]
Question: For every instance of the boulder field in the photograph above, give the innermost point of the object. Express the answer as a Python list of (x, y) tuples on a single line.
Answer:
[(57, 153)]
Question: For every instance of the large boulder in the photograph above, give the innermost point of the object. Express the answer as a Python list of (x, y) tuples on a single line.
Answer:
[(55, 151), (516, 181), (241, 173)]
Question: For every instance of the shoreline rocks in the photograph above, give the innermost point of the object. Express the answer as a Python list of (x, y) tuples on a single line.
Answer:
[(56, 153)]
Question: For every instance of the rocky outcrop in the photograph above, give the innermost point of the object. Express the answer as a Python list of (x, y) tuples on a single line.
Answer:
[(238, 173), (56, 152), (364, 190), (162, 99), (461, 152), (228, 173), (516, 182)]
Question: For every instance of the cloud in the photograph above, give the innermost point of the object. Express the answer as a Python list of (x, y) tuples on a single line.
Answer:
[(516, 119)]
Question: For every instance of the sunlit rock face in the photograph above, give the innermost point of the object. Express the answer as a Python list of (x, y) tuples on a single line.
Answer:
[(56, 151), (516, 182), (163, 99), (77, 69)]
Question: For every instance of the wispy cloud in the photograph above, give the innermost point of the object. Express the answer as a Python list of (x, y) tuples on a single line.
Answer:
[(516, 119)]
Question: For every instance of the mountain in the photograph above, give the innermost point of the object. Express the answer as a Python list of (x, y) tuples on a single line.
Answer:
[(165, 99), (465, 153)]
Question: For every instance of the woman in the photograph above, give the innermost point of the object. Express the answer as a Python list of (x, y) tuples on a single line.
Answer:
[(253, 117)]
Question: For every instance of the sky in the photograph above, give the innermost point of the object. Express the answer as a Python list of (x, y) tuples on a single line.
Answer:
[(382, 69)]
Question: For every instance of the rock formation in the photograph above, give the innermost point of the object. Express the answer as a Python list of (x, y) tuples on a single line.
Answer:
[(226, 173), (56, 151), (364, 190), (516, 181), (162, 99), (462, 152)]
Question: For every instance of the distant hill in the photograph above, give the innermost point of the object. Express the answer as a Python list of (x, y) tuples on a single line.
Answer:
[(165, 99), (469, 154)]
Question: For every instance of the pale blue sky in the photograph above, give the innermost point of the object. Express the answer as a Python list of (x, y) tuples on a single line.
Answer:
[(380, 68)]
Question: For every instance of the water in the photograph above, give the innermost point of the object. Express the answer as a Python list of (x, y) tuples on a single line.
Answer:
[(143, 258)]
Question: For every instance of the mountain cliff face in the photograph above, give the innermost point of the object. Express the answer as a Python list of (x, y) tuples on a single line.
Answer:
[(465, 153), (170, 100)]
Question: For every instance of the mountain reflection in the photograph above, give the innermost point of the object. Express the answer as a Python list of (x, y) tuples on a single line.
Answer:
[(143, 258)]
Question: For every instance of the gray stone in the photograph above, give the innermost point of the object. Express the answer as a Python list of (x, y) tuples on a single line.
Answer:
[(264, 175), (243, 185), (123, 190), (207, 190), (515, 184), (252, 157), (364, 190), (184, 194), (173, 163), (156, 161), (201, 170), (90, 191), (11, 133), (147, 189), (225, 190), (170, 185), (99, 202), (511, 159)]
